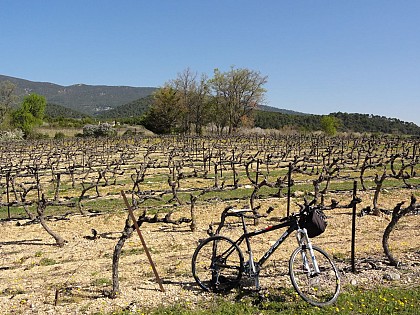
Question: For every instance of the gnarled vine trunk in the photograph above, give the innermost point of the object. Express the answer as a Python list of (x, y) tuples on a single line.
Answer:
[(397, 214)]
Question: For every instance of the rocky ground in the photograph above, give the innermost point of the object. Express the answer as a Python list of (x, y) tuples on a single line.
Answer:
[(37, 277)]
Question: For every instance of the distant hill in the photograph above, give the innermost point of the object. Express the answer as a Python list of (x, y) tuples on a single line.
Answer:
[(87, 99), (362, 123), (56, 111), (266, 108), (133, 109), (374, 123)]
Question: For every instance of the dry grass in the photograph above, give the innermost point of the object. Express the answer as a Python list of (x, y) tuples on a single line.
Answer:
[(82, 268)]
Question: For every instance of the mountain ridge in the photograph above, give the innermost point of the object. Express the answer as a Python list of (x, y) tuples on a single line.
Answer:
[(87, 99), (97, 100)]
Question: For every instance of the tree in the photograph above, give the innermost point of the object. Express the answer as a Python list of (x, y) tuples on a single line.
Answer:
[(238, 92), (329, 124), (7, 99), (165, 113), (217, 115), (30, 114), (193, 97)]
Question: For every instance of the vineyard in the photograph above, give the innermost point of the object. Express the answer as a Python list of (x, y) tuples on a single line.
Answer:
[(67, 244)]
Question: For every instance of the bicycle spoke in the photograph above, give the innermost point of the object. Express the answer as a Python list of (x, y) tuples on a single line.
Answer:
[(217, 264), (316, 288)]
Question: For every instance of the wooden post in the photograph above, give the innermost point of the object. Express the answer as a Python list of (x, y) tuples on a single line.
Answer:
[(258, 170), (7, 192), (130, 211), (289, 184), (353, 229)]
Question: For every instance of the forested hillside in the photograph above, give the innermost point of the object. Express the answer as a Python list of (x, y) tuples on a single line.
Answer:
[(132, 109), (57, 111), (347, 122), (87, 99), (374, 123), (279, 110)]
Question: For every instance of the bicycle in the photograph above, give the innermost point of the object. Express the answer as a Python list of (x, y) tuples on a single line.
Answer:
[(218, 263)]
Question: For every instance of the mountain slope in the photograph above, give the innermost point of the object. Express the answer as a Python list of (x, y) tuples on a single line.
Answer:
[(133, 109), (56, 111), (348, 122), (266, 108), (87, 99)]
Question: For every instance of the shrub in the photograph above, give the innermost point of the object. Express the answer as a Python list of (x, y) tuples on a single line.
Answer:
[(10, 135), (59, 135), (101, 130)]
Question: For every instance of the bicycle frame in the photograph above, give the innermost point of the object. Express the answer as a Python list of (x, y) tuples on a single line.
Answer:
[(247, 235)]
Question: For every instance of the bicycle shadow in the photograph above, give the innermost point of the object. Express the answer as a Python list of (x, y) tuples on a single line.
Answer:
[(185, 285), (266, 295)]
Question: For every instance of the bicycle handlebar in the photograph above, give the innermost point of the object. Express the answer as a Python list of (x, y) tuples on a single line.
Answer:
[(230, 211), (304, 210)]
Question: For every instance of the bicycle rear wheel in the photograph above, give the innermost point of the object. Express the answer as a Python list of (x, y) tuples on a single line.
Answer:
[(319, 289), (217, 264)]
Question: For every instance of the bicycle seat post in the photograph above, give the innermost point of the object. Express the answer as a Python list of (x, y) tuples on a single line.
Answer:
[(244, 224)]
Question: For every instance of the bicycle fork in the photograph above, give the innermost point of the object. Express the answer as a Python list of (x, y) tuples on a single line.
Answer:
[(305, 242), (253, 270), (252, 267)]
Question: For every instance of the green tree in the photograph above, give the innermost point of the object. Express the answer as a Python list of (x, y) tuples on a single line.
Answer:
[(30, 114), (329, 124), (165, 114), (238, 92), (7, 99)]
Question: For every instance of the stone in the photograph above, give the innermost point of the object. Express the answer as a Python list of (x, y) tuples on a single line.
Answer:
[(392, 276)]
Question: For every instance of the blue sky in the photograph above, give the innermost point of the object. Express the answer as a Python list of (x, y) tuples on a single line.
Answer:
[(319, 56)]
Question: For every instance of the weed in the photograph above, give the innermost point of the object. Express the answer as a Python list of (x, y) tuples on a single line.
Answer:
[(101, 282), (47, 262), (12, 291)]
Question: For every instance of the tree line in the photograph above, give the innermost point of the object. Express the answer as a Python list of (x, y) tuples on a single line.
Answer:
[(340, 122), (195, 104)]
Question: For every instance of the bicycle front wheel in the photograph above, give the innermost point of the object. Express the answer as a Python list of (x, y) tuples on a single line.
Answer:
[(319, 289), (217, 264)]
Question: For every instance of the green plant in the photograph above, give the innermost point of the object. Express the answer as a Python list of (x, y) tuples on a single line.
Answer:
[(47, 262), (101, 282), (30, 114), (132, 251), (12, 291), (59, 135)]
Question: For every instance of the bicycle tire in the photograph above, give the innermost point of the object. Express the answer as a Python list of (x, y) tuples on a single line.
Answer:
[(317, 289), (217, 264)]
